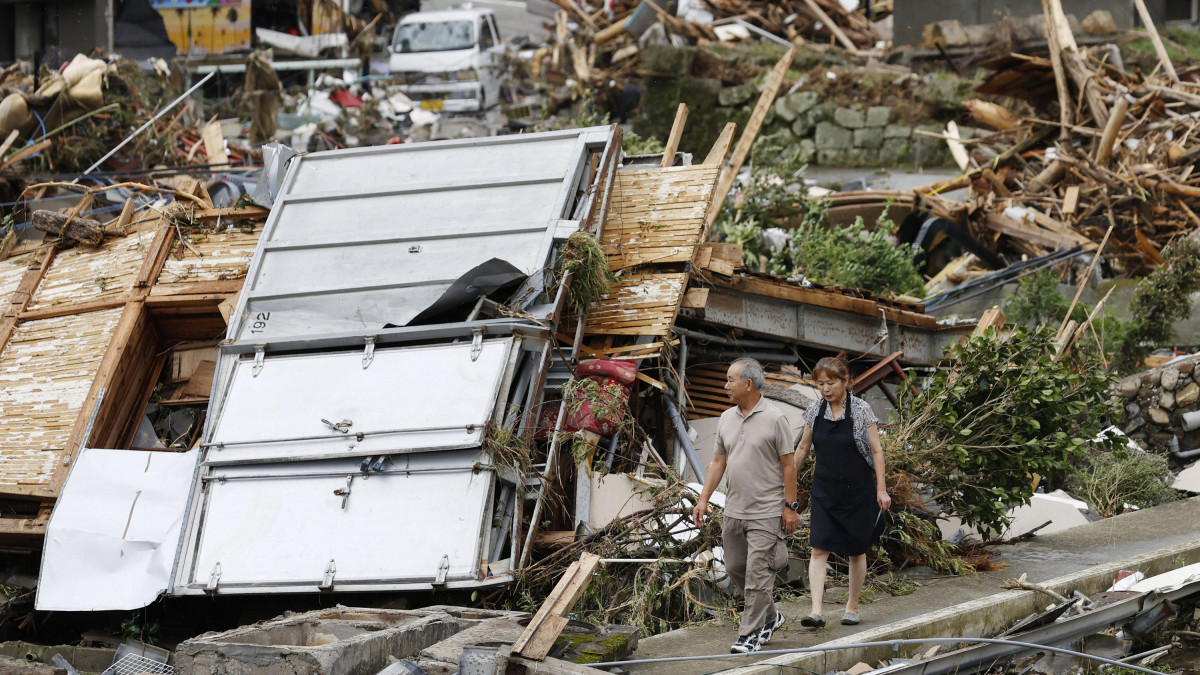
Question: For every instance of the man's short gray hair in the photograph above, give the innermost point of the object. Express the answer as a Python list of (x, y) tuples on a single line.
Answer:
[(751, 370)]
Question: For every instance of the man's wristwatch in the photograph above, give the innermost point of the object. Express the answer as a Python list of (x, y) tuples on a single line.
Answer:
[(795, 506)]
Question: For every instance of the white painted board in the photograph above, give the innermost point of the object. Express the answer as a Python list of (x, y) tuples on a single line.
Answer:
[(111, 541)]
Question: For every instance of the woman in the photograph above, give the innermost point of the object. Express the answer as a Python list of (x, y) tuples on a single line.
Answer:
[(849, 495)]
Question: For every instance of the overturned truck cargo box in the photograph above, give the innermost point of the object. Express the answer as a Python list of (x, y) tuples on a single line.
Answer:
[(400, 304)]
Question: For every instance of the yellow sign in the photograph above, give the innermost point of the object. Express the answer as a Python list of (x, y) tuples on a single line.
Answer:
[(206, 27)]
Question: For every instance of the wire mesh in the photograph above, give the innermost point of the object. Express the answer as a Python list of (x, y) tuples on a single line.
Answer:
[(132, 664)]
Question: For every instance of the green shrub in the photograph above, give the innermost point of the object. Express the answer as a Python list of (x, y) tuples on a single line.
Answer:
[(850, 256), (1038, 301), (1109, 479), (1005, 411), (1160, 299)]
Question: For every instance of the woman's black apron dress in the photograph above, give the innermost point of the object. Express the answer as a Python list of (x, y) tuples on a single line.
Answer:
[(844, 512)]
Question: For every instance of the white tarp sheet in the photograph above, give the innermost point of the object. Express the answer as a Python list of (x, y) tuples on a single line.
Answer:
[(111, 541)]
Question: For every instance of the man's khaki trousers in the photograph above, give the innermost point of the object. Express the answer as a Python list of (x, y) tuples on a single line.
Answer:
[(755, 550)]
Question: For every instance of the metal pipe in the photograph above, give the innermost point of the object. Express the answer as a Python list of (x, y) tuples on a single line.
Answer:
[(680, 398), (686, 441), (748, 342), (612, 451), (1143, 655), (508, 495), (142, 128), (537, 506), (307, 64), (894, 644)]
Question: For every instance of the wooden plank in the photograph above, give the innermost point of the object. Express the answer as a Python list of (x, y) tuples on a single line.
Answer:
[(825, 298), (1155, 38), (696, 298), (539, 636), (79, 308), (6, 247), (1071, 200), (198, 288), (239, 213), (749, 135), (25, 152), (720, 148), (214, 144), (12, 137), (992, 318), (160, 248), (676, 133)]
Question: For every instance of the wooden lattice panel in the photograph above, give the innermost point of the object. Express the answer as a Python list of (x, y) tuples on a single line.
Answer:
[(656, 215), (83, 275), (11, 273), (212, 257), (639, 304), (46, 371)]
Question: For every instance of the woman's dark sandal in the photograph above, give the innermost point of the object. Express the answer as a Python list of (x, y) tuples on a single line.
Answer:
[(813, 621), (850, 618)]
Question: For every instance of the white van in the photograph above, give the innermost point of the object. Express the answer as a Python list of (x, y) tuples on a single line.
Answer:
[(448, 60)]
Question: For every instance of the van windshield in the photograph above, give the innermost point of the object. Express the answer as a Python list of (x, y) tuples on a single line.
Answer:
[(434, 36)]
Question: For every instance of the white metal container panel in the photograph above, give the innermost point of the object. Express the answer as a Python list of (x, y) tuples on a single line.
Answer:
[(365, 237), (386, 167), (363, 311), (428, 214), (111, 541), (267, 528), (351, 266), (407, 399)]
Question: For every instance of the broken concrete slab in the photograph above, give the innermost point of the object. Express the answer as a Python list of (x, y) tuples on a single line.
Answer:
[(1188, 480), (338, 640)]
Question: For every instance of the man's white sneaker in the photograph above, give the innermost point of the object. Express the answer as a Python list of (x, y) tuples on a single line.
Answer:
[(746, 644), (768, 631)]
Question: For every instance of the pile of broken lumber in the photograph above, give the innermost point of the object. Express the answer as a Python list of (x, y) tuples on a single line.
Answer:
[(594, 41), (1105, 155)]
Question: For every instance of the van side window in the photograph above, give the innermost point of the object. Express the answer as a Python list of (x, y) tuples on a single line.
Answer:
[(486, 38)]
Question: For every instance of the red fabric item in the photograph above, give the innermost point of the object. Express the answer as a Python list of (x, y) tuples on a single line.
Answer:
[(612, 391), (345, 99), (624, 372)]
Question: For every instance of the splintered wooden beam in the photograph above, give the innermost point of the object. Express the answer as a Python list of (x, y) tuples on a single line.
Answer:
[(730, 171), (551, 617), (720, 148), (676, 132), (992, 318)]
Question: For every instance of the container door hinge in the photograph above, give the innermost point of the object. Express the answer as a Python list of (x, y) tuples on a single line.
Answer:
[(260, 353), (369, 352), (443, 570), (476, 342), (213, 579), (344, 493), (330, 571)]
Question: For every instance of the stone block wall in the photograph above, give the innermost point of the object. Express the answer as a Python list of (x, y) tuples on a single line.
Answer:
[(801, 127), (1155, 402)]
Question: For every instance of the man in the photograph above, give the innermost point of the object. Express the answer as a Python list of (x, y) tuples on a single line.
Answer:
[(754, 446)]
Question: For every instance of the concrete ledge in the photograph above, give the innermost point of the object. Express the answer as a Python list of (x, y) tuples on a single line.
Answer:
[(984, 617)]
